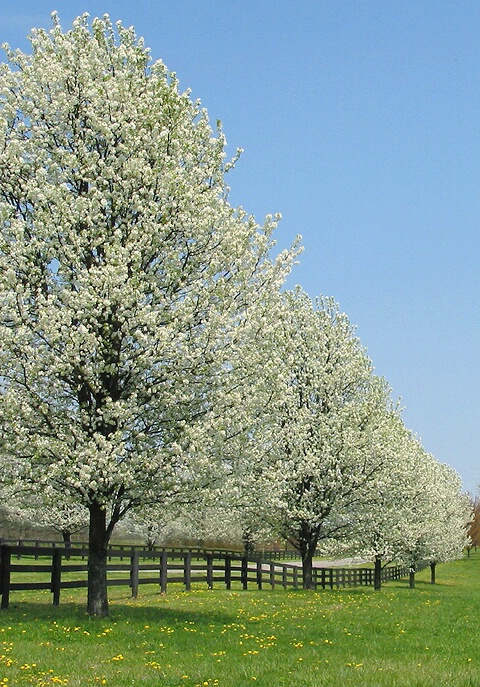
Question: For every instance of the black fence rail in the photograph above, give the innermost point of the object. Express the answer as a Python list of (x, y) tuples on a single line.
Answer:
[(40, 544), (57, 569), (279, 554), (265, 554), (356, 577)]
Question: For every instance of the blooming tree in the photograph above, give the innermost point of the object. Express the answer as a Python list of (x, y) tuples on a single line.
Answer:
[(417, 512), (450, 518), (474, 525), (440, 513), (156, 525), (196, 522), (325, 447), (387, 522), (128, 284), (45, 508)]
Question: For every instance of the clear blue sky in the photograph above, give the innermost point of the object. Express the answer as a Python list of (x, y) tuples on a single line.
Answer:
[(360, 124)]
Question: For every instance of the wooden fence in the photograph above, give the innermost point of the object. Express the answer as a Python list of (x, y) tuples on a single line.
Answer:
[(121, 548), (61, 568), (265, 554)]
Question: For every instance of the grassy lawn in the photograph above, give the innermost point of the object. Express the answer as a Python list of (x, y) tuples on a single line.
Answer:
[(351, 638)]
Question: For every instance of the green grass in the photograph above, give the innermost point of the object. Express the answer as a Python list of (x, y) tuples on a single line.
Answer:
[(398, 637)]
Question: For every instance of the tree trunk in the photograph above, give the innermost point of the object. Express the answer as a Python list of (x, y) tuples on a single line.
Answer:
[(307, 567), (433, 565), (377, 575), (67, 541), (412, 576), (307, 546), (97, 600), (248, 542)]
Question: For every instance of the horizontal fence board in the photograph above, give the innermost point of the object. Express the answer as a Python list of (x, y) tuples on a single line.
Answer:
[(118, 567), (175, 580), (148, 580), (113, 583), (81, 567), (17, 567), (73, 584), (19, 586)]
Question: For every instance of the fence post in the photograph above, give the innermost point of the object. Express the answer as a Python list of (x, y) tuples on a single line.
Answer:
[(163, 571), (210, 570), (187, 575), (56, 575), (323, 578), (244, 574), (259, 574), (295, 578), (228, 572), (134, 570), (272, 575), (5, 563)]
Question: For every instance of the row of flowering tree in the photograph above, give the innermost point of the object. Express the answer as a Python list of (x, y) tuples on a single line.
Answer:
[(148, 356), (328, 462), (341, 470)]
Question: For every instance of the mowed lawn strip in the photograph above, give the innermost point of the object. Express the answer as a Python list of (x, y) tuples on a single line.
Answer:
[(398, 637)]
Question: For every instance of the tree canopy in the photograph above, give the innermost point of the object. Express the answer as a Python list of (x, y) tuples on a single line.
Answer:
[(127, 281)]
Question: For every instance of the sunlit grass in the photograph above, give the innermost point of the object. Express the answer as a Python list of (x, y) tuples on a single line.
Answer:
[(398, 637)]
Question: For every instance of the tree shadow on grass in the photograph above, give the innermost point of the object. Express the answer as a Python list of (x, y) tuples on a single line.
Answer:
[(154, 610)]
